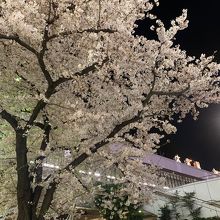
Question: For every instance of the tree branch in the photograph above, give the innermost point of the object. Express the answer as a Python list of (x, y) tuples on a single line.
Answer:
[(40, 58), (47, 199), (90, 30), (92, 67), (19, 41), (31, 49), (83, 72), (51, 90), (44, 46), (11, 119), (47, 129), (118, 127), (99, 18), (100, 144), (32, 85), (169, 93), (36, 196), (52, 187), (39, 168)]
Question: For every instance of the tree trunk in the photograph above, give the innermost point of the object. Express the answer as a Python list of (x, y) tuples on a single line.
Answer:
[(24, 192), (47, 199)]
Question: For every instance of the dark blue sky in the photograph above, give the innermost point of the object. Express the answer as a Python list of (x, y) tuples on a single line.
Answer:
[(199, 140)]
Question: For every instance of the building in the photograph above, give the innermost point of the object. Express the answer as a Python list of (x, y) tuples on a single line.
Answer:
[(182, 178)]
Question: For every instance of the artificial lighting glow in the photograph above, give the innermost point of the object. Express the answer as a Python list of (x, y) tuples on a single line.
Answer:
[(50, 165), (47, 165), (111, 177), (97, 174), (166, 187), (81, 171)]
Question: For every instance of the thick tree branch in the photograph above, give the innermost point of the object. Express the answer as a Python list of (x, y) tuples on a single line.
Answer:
[(122, 125), (81, 158), (41, 57), (19, 41), (47, 129), (52, 87), (47, 199), (45, 40), (40, 106), (44, 69), (39, 168), (36, 196), (100, 144), (31, 49), (11, 119), (38, 124)]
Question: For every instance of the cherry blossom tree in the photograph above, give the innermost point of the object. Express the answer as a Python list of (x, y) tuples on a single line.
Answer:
[(74, 76)]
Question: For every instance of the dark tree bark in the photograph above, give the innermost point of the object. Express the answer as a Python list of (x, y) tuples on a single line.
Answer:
[(47, 199), (24, 192)]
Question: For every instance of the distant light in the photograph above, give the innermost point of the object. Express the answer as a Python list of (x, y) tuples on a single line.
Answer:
[(17, 79), (89, 173), (81, 171), (139, 211), (111, 177), (97, 174), (166, 187), (50, 165)]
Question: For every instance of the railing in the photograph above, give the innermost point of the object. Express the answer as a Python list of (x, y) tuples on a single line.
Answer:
[(176, 167)]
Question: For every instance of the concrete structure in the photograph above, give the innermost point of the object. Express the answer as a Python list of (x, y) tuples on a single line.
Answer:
[(176, 173), (183, 178)]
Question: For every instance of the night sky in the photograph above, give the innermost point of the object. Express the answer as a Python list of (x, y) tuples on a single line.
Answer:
[(198, 140)]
